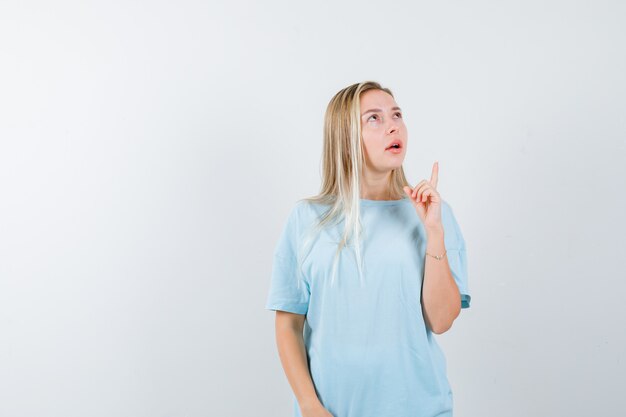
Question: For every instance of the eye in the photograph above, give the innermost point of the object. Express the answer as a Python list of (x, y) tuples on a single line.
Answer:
[(375, 115)]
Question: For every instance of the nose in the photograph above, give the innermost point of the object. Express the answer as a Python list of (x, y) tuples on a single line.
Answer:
[(392, 128)]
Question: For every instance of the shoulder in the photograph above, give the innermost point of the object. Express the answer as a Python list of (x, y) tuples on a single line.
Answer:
[(301, 214), (305, 211), (297, 209)]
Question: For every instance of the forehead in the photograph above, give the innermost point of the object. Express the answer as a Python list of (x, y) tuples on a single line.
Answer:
[(376, 98)]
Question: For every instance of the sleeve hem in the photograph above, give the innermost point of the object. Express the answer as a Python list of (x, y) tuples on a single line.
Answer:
[(465, 300), (298, 308)]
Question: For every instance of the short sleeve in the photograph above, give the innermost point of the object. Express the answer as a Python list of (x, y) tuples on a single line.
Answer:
[(288, 290), (456, 252)]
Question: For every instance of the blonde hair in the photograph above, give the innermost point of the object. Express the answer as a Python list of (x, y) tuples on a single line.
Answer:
[(342, 166)]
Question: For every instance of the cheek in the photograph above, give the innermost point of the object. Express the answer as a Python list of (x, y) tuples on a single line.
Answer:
[(371, 136), (369, 142)]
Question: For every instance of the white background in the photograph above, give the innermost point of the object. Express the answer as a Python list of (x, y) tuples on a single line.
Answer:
[(150, 152)]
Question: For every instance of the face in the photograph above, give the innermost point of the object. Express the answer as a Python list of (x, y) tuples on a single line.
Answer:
[(382, 125)]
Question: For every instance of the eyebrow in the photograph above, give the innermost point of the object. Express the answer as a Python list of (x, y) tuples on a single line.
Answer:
[(378, 110)]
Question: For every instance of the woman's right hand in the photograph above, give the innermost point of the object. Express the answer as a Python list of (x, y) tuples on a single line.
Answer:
[(316, 410)]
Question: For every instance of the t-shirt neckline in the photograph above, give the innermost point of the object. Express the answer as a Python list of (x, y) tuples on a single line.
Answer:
[(368, 202)]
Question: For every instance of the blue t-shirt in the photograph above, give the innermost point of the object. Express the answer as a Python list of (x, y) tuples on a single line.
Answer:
[(369, 349)]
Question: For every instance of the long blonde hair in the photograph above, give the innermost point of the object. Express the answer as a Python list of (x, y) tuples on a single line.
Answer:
[(342, 166)]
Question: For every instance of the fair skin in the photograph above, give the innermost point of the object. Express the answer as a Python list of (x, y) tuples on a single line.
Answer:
[(292, 355), (441, 302), (382, 124)]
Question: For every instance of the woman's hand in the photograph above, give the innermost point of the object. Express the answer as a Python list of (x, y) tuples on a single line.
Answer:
[(427, 201), (316, 410)]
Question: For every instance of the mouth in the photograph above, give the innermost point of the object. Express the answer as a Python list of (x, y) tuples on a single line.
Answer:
[(395, 145)]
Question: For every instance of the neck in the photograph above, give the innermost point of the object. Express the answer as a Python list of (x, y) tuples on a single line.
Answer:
[(375, 186)]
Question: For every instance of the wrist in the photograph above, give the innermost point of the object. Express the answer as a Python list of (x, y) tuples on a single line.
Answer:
[(434, 231)]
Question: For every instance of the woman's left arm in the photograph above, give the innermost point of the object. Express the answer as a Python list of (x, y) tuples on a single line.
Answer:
[(441, 300)]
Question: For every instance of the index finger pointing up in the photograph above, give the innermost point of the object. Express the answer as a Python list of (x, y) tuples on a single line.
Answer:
[(435, 174)]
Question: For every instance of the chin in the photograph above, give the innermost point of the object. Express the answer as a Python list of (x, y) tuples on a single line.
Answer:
[(392, 167)]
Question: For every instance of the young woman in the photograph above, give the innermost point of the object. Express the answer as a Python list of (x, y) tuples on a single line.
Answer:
[(365, 272)]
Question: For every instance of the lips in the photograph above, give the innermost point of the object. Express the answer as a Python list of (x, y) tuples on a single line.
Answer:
[(394, 144)]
